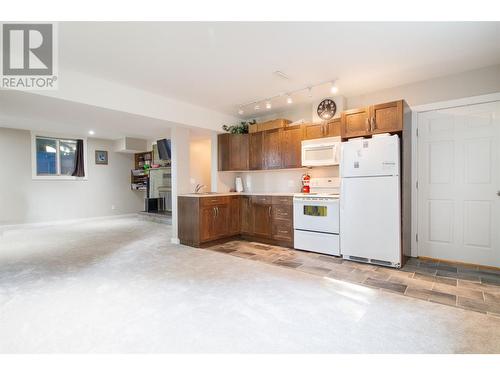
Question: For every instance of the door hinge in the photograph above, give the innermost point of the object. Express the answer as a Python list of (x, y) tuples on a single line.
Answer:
[(417, 132), (416, 237), (416, 184)]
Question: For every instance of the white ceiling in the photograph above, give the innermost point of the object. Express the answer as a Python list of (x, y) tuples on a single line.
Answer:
[(20, 110), (220, 65)]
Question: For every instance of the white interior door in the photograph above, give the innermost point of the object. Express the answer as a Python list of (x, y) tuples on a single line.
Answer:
[(459, 184)]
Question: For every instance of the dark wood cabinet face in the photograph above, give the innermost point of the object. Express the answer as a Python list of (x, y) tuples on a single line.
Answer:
[(387, 117), (355, 122), (235, 216), (246, 215), (256, 161), (272, 149), (262, 220), (221, 222), (238, 152), (223, 151), (207, 223), (291, 147)]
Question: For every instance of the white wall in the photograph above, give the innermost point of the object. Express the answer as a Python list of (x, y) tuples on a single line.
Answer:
[(24, 200), (466, 84), (200, 163)]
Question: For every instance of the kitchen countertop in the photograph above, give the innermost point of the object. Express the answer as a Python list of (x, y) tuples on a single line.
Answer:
[(193, 195)]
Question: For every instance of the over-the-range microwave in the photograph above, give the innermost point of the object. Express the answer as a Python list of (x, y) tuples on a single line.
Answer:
[(321, 151)]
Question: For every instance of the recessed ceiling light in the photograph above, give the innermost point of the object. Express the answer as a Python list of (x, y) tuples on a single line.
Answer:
[(241, 111), (91, 132), (268, 105), (289, 99)]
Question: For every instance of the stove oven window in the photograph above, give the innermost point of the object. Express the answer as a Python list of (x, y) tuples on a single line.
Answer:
[(315, 210)]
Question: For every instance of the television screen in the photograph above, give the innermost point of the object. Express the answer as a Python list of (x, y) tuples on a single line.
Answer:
[(164, 150)]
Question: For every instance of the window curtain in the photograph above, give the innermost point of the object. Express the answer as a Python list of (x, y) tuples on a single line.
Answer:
[(79, 168)]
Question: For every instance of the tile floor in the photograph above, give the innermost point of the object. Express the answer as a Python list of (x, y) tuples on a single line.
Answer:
[(457, 285)]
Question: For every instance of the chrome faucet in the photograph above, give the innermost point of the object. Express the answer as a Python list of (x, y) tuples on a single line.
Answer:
[(198, 188)]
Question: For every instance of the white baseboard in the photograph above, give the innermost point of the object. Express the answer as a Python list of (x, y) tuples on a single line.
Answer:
[(175, 241), (67, 221)]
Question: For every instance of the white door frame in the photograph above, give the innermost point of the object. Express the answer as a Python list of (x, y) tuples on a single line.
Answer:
[(480, 99)]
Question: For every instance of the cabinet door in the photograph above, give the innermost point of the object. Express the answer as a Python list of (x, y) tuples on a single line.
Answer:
[(207, 223), (272, 149), (246, 215), (238, 152), (332, 128), (313, 131), (291, 147), (355, 123), (262, 220), (234, 217), (387, 117), (256, 157), (221, 226), (223, 151)]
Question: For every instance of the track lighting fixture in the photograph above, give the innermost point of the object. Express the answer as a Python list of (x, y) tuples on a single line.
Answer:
[(334, 88), (289, 99), (268, 105)]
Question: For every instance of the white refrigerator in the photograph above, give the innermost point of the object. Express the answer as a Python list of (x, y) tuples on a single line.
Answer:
[(370, 200)]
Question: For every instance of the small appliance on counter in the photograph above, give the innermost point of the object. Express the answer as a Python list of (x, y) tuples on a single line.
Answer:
[(316, 217), (238, 184), (306, 180)]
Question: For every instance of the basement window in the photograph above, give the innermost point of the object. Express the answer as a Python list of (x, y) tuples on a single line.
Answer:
[(54, 158)]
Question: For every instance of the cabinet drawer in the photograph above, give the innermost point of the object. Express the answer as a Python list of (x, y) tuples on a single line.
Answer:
[(210, 201), (282, 230), (284, 212), (283, 200), (261, 199)]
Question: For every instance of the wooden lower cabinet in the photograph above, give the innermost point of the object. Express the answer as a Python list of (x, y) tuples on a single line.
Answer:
[(246, 215), (206, 219), (262, 220)]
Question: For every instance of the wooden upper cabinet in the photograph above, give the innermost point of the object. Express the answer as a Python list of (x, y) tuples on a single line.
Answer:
[(238, 152), (313, 131), (256, 155), (355, 123), (291, 147), (271, 148), (332, 128), (387, 117), (223, 151)]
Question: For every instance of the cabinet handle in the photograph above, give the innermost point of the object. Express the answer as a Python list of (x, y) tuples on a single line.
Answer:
[(217, 210), (368, 124), (374, 124), (270, 208), (213, 209)]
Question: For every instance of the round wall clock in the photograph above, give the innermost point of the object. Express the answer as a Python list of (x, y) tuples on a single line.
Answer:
[(326, 109)]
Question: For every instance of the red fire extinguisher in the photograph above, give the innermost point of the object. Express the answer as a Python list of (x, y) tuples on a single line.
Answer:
[(306, 179)]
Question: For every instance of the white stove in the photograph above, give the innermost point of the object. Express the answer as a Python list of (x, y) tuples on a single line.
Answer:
[(316, 217)]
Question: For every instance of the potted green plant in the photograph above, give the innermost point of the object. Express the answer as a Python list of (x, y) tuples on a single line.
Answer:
[(241, 128)]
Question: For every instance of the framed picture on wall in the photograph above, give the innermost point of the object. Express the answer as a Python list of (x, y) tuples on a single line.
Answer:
[(101, 157)]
